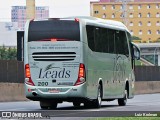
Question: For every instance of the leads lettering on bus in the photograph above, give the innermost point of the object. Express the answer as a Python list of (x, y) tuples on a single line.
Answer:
[(62, 73)]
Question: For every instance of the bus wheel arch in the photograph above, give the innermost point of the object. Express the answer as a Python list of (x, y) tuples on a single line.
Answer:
[(127, 88), (123, 101), (98, 100), (101, 84)]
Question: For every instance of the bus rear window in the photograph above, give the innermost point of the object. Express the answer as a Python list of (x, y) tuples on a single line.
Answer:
[(60, 30)]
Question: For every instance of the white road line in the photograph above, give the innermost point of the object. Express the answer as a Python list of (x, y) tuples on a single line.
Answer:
[(70, 113), (17, 109)]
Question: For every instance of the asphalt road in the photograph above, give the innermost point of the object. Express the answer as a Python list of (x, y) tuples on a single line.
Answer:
[(140, 104)]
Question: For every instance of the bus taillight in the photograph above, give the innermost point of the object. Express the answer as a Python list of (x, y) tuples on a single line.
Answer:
[(76, 20), (81, 75), (27, 71), (28, 75)]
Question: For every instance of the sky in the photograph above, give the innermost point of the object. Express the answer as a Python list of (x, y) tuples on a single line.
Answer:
[(57, 8)]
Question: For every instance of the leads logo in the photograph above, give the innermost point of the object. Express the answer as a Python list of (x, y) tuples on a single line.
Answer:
[(54, 72)]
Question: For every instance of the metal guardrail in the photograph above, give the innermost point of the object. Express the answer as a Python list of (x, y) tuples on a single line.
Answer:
[(145, 62), (12, 71), (147, 73)]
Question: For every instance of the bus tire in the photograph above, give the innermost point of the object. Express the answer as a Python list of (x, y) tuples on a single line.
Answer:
[(98, 101), (45, 105), (88, 104), (53, 106), (76, 104), (123, 101)]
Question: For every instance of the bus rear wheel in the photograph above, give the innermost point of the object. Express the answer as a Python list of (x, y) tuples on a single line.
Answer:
[(98, 101), (76, 104), (48, 105), (88, 104), (123, 101)]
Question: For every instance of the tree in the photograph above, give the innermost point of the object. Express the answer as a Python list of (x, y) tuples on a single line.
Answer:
[(158, 39), (3, 53), (8, 54), (135, 38), (12, 54)]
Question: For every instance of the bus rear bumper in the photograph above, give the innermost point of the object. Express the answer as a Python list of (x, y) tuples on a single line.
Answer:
[(69, 93)]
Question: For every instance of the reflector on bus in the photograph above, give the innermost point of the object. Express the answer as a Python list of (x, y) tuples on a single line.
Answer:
[(55, 39)]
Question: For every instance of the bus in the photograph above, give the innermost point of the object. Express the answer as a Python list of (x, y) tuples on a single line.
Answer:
[(83, 60)]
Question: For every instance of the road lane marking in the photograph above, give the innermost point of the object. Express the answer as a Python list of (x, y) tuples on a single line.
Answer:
[(17, 109)]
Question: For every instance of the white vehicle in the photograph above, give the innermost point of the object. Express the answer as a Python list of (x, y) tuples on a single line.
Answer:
[(80, 60)]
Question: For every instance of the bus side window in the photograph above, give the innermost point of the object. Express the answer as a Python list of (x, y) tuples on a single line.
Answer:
[(104, 40), (111, 41), (121, 43), (90, 37), (101, 39), (97, 38)]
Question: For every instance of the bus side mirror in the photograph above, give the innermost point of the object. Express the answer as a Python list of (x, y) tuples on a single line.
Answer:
[(136, 52)]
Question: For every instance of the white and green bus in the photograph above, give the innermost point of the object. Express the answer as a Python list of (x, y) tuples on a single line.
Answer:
[(81, 60)]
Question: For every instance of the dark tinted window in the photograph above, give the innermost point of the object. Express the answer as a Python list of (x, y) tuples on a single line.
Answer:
[(107, 40), (97, 38), (90, 37), (121, 43), (102, 44), (60, 29), (104, 40), (111, 39)]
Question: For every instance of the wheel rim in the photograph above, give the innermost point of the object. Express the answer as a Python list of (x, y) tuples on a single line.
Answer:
[(99, 97), (125, 97)]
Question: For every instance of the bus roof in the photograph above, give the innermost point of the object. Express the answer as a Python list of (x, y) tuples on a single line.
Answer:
[(101, 21), (94, 20)]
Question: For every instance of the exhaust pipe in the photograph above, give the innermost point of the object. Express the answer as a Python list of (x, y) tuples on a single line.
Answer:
[(34, 93)]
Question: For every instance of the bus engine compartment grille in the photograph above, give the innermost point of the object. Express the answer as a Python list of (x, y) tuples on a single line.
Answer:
[(54, 56)]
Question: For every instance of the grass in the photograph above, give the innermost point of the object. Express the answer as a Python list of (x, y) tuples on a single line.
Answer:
[(138, 63), (126, 118)]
